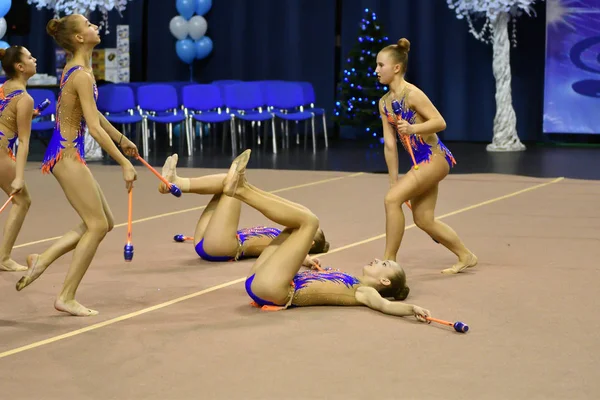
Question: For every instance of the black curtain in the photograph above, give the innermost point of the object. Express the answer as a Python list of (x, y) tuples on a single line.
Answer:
[(296, 40)]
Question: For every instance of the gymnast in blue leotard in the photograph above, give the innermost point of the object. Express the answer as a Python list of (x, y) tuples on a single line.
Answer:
[(16, 112), (217, 237), (419, 121), (275, 281), (76, 109)]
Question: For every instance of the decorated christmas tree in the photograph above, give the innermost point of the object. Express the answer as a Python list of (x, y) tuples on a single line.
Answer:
[(358, 90)]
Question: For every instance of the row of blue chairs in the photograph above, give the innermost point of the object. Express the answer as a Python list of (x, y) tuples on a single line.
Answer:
[(235, 102)]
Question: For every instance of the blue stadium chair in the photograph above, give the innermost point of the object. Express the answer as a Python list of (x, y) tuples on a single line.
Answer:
[(246, 103), (159, 103), (204, 104)]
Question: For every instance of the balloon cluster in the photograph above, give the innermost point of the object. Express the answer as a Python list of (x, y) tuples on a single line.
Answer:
[(4, 8), (190, 29)]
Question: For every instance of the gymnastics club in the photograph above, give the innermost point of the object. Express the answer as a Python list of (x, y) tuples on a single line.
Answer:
[(459, 327), (6, 204), (128, 250), (398, 111), (182, 238), (43, 105), (175, 191)]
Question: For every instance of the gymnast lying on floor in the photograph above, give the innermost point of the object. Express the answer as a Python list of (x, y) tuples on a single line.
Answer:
[(217, 237), (275, 282)]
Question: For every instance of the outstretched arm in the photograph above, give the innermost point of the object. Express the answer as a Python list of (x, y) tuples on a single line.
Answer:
[(390, 149), (371, 298)]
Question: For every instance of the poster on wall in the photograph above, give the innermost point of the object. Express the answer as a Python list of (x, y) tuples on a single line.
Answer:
[(572, 74)]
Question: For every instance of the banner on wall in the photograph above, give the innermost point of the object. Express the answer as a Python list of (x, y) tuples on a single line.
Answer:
[(572, 75)]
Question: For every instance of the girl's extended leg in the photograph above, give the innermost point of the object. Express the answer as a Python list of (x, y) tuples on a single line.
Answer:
[(39, 262), (409, 186), (219, 221), (16, 214), (423, 208), (209, 184), (279, 263), (86, 198)]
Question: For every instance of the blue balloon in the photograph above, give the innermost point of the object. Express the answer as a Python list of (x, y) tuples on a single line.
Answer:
[(185, 8), (203, 47), (202, 6), (4, 7), (3, 44), (185, 50)]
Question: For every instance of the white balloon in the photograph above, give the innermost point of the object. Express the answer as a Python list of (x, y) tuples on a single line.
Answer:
[(179, 27), (2, 27), (197, 27)]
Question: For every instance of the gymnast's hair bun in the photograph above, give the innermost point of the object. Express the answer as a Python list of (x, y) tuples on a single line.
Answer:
[(403, 45), (2, 53), (402, 294), (52, 27)]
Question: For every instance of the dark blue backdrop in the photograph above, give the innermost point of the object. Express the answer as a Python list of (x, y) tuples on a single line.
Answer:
[(296, 40)]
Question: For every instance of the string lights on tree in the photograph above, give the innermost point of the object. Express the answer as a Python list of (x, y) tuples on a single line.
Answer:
[(358, 90)]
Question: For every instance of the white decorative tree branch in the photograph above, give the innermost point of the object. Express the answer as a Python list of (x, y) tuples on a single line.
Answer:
[(84, 7), (497, 14)]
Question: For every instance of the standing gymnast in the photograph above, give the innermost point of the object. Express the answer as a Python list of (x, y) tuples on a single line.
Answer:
[(217, 237), (64, 158), (420, 121), (275, 282), (16, 112)]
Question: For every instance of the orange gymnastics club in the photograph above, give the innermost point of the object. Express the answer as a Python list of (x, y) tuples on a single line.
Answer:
[(128, 250), (403, 138), (6, 204), (175, 191), (458, 326)]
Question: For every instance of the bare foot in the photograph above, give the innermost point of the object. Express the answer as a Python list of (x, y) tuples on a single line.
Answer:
[(74, 308), (35, 270), (469, 262), (11, 266), (236, 175), (169, 172)]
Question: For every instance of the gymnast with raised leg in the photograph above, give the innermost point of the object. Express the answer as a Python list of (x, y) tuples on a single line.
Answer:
[(217, 237), (65, 159), (275, 281), (16, 112), (419, 121)]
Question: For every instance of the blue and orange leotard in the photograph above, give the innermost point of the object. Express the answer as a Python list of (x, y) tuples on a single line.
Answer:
[(8, 121), (422, 150), (68, 136), (314, 288), (242, 236)]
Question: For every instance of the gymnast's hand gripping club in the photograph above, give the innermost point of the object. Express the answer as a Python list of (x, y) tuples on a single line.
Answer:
[(175, 191)]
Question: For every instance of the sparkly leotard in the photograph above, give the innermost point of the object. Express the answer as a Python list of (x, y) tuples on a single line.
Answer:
[(242, 236), (422, 150), (315, 288), (8, 121), (68, 136)]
